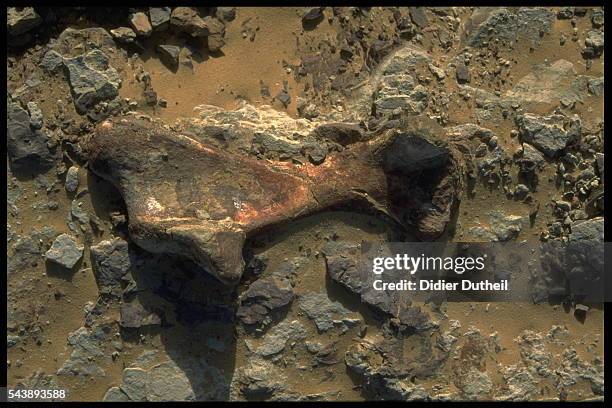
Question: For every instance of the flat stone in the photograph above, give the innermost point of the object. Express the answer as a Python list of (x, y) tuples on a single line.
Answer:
[(110, 261), (160, 17), (65, 251), (167, 382)]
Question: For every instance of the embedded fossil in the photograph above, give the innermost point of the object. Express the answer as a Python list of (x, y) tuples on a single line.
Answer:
[(189, 198)]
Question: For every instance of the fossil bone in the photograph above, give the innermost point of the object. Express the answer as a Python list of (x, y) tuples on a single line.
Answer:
[(187, 197)]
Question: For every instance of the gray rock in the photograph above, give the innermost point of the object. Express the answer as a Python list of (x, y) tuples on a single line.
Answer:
[(110, 261), (114, 394), (123, 34), (87, 348), (27, 147), (20, 20), (418, 16), (502, 227), (549, 134), (134, 315), (169, 54), (324, 312), (226, 14), (11, 341), (134, 384), (160, 17), (36, 116), (276, 340), (141, 25), (594, 44), (463, 74), (488, 24), (263, 297), (52, 61), (65, 251), (520, 383), (596, 86), (72, 179), (167, 382), (92, 79), (476, 384), (259, 379), (273, 147)]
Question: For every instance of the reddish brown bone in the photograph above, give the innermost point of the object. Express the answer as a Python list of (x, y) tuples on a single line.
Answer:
[(189, 198)]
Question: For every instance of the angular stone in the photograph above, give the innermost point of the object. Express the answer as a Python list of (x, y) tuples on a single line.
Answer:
[(110, 261), (141, 25), (123, 34), (26, 147), (92, 79), (65, 251), (226, 14), (169, 54), (263, 297), (549, 134), (134, 315), (188, 198), (160, 17), (187, 19)]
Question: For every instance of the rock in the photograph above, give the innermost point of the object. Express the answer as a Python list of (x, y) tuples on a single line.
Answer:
[(160, 17), (283, 97), (550, 83), (489, 24), (141, 25), (476, 384), (263, 297), (114, 394), (418, 16), (134, 315), (134, 383), (110, 261), (39, 381), (599, 158), (65, 251), (169, 54), (36, 116), (533, 352), (341, 133), (27, 147), (521, 385), (398, 86), (186, 19), (594, 44), (502, 227), (20, 20), (463, 74), (167, 382), (324, 312), (72, 179), (52, 61), (530, 159), (123, 34), (87, 348), (275, 341), (549, 134), (313, 17), (259, 379), (92, 79), (225, 14), (216, 34)]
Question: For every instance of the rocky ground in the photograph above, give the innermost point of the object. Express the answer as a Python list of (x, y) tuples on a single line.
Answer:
[(92, 312)]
